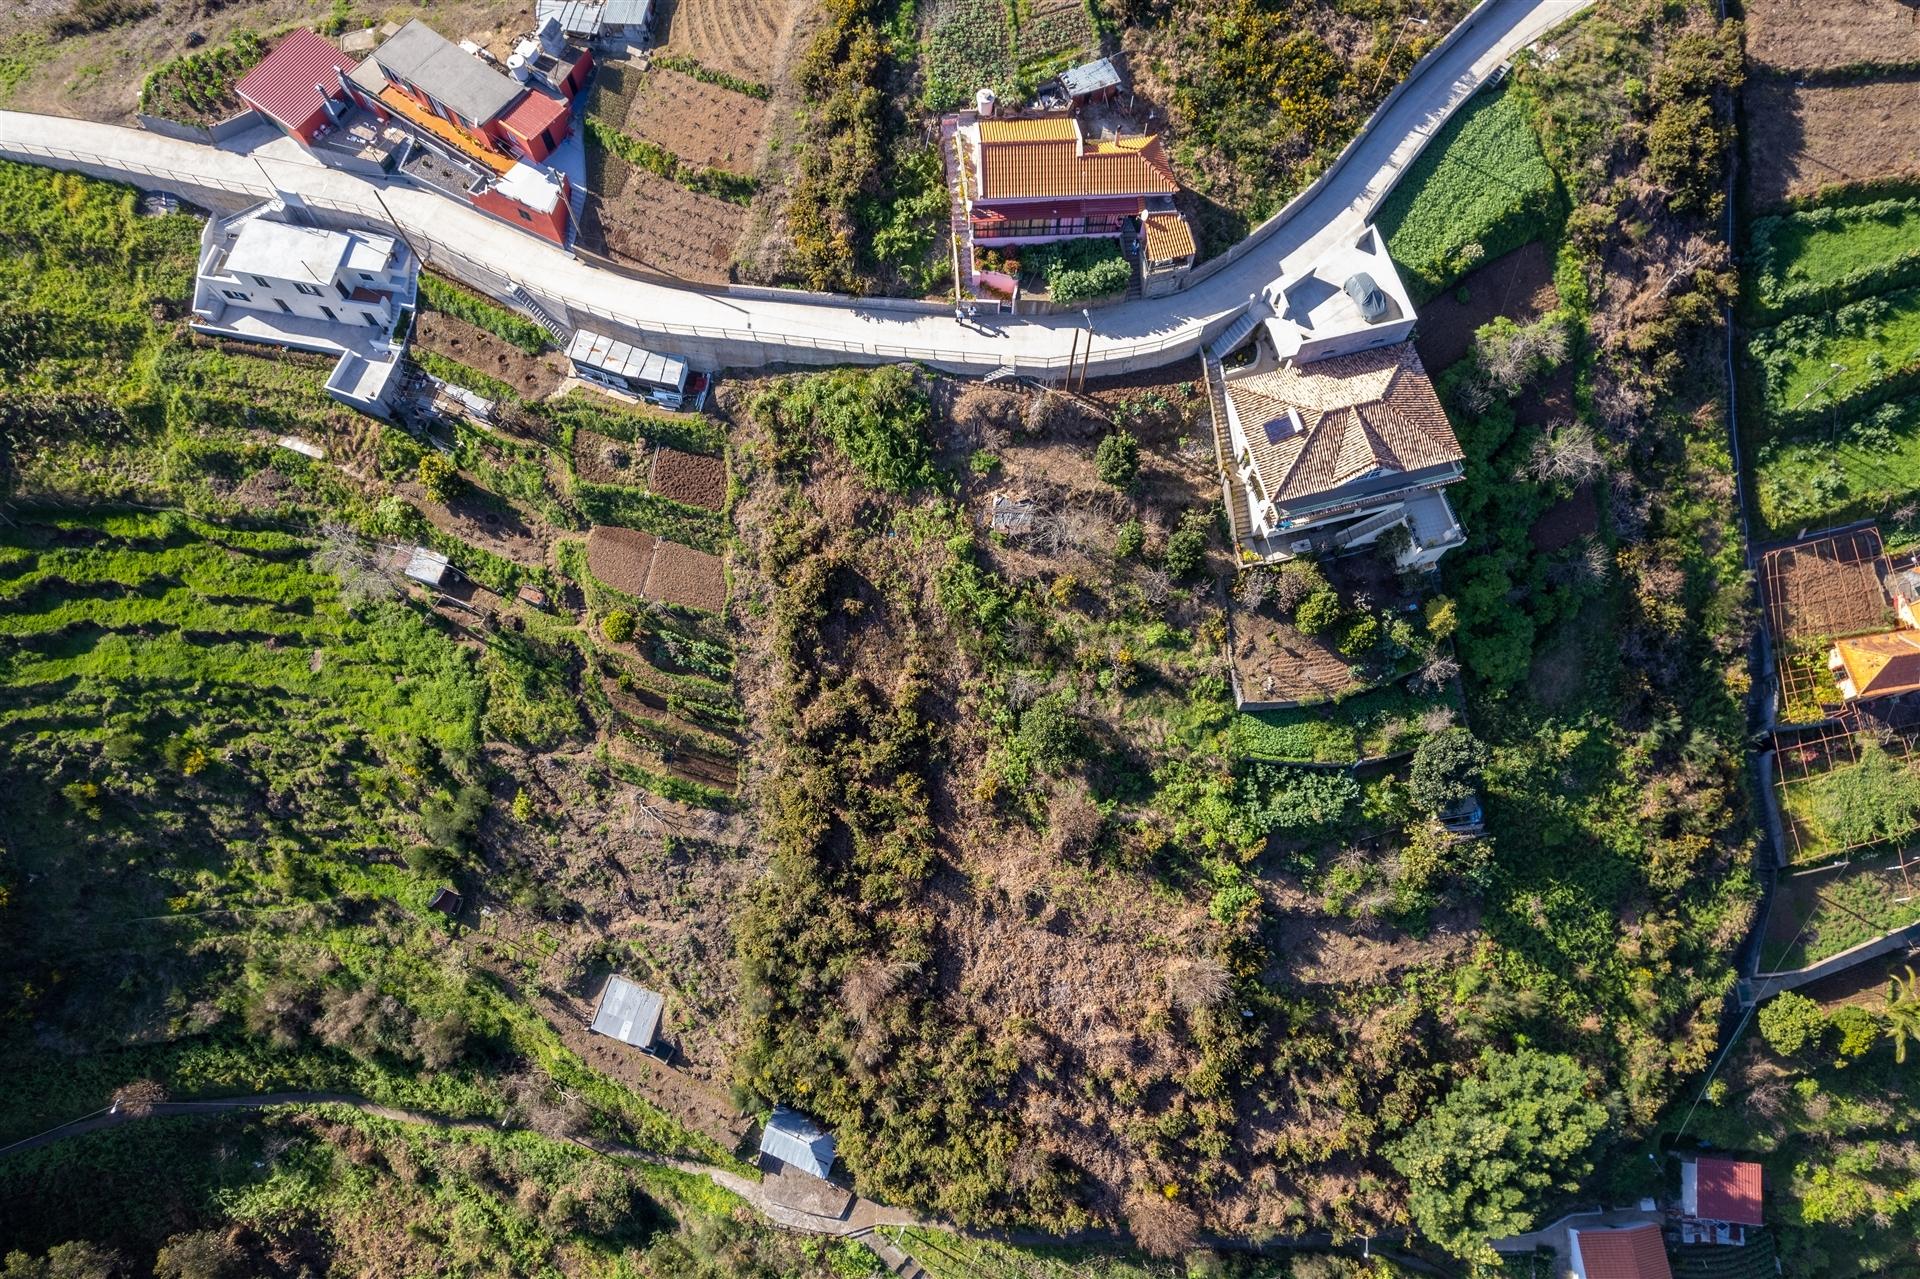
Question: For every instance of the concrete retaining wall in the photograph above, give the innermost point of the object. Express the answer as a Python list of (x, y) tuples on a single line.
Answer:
[(1766, 985), (208, 133)]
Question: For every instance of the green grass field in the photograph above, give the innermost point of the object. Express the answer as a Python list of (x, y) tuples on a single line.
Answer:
[(1483, 181), (1836, 911), (1867, 467), (1811, 367), (1817, 259), (1384, 721)]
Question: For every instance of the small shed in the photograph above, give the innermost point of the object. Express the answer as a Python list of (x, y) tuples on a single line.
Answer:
[(445, 900), (1091, 81), (1011, 515), (426, 566), (628, 1012), (627, 19), (625, 367), (797, 1142)]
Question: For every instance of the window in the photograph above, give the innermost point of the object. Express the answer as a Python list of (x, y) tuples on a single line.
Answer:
[(307, 289), (237, 295), (261, 281), (372, 319), (283, 306), (364, 277), (524, 215), (328, 312), (343, 290)]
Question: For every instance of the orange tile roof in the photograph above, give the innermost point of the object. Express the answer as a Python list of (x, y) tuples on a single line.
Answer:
[(1046, 128), (1633, 1253), (1373, 410), (1046, 157), (1882, 664), (535, 113), (396, 101), (1168, 237)]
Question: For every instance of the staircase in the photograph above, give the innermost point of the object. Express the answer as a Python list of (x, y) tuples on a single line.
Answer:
[(1238, 332), (1005, 373), (1239, 520), (541, 316), (1368, 527), (896, 1259)]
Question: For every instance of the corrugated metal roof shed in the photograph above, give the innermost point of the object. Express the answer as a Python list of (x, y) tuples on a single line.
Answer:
[(797, 1141), (628, 13), (426, 565), (287, 82), (603, 352), (1090, 77), (576, 17), (628, 1012)]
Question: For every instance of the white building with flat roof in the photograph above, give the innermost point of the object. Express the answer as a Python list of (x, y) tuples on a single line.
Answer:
[(268, 276)]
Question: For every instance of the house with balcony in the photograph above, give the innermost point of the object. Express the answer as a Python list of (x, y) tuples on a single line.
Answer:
[(483, 134), (1721, 1199), (267, 275), (1331, 437)]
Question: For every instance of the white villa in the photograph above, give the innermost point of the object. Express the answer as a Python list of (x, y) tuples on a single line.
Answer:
[(267, 277), (1333, 436)]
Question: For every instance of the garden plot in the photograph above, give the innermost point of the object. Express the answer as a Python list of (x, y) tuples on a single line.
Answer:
[(641, 220), (1843, 791), (989, 44), (690, 478), (532, 377), (1802, 138), (1365, 726), (703, 124), (647, 567), (1815, 592), (1827, 35), (746, 38), (1817, 915)]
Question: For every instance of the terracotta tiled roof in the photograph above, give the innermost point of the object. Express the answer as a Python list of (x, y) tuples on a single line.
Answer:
[(1374, 410), (1046, 158), (1168, 237), (1633, 1253), (535, 112), (287, 82), (1046, 128), (1881, 664), (1728, 1190)]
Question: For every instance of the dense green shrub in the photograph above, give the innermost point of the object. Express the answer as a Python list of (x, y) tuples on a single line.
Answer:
[(1117, 459), (437, 476), (617, 626), (1319, 613), (1186, 548), (1129, 539), (1792, 1024), (878, 417), (1447, 768), (1076, 271), (1502, 1141), (1295, 801)]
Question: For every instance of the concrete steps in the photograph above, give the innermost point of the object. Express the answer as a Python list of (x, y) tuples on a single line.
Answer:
[(1238, 332), (561, 335)]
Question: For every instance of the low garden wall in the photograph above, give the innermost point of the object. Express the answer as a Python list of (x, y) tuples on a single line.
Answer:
[(207, 133)]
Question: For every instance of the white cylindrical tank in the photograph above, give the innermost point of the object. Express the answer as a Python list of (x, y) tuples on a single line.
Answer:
[(985, 101), (517, 68)]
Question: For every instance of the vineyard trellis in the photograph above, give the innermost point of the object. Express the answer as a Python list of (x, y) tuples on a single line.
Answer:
[(1802, 757), (1814, 592)]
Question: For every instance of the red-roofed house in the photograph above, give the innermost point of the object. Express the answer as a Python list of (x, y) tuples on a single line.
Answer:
[(300, 86), (1633, 1252), (1720, 1199)]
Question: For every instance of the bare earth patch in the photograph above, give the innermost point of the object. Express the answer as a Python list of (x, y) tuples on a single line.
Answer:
[(1820, 35), (1800, 139), (741, 37), (637, 563), (601, 459), (703, 124), (621, 557), (1518, 285), (692, 478), (533, 376), (645, 221)]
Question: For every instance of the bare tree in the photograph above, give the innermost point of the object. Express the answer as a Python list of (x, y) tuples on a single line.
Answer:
[(1196, 982), (1437, 671), (354, 564), (1156, 585), (1161, 1226), (1568, 452), (1255, 586), (137, 1099)]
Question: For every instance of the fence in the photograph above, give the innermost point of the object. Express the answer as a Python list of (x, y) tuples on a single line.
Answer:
[(202, 133)]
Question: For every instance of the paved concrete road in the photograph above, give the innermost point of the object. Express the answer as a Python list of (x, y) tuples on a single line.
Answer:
[(735, 331)]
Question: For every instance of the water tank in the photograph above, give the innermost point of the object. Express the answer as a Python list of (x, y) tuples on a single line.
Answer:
[(517, 68), (985, 101), (552, 38)]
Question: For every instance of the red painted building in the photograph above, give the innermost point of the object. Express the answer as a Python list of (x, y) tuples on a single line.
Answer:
[(300, 86), (1039, 178)]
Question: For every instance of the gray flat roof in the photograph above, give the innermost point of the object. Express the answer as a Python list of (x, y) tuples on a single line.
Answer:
[(627, 13), (420, 56), (280, 251), (627, 360), (797, 1141), (577, 17), (1089, 77), (628, 1012)]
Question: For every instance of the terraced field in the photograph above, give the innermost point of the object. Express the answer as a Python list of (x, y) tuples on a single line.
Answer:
[(741, 37)]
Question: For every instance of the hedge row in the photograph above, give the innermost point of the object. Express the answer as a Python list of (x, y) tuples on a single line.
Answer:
[(707, 75), (651, 156), (506, 325), (1808, 259)]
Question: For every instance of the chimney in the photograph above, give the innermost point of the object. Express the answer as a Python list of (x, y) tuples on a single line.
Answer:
[(327, 103)]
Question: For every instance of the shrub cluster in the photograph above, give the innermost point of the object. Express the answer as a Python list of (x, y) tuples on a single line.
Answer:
[(1077, 271), (515, 329)]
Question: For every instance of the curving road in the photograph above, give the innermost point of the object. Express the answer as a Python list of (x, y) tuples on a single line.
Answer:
[(731, 330)]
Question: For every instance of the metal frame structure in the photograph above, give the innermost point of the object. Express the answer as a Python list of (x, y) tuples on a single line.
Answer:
[(1826, 588), (1803, 755)]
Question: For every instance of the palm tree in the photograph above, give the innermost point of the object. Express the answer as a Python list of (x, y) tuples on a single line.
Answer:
[(1903, 1013)]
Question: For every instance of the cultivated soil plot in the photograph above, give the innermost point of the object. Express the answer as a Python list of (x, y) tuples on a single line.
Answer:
[(692, 478), (741, 37), (643, 220), (1815, 35), (533, 376), (1800, 139), (1518, 285), (601, 459), (703, 124), (640, 564)]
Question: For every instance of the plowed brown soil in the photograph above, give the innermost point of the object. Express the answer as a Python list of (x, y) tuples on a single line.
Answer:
[(659, 226), (692, 478), (742, 37), (689, 578), (1815, 35), (1801, 138), (703, 124), (621, 557), (533, 376)]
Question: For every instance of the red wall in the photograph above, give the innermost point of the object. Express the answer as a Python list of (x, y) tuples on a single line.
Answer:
[(550, 226)]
